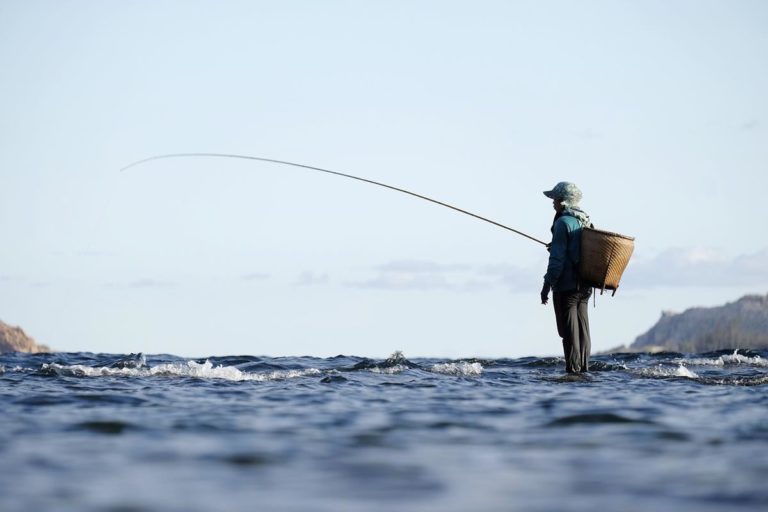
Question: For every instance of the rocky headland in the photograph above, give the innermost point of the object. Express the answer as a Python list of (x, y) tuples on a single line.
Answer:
[(739, 324), (14, 339)]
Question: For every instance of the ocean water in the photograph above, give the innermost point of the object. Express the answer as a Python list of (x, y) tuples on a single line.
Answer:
[(98, 432)]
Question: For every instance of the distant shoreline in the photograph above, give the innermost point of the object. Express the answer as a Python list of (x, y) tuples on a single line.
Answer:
[(14, 339), (738, 325)]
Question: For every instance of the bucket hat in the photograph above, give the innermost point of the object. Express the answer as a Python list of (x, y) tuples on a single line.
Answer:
[(568, 193)]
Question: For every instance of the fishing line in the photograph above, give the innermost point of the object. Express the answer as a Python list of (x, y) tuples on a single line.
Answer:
[(283, 162)]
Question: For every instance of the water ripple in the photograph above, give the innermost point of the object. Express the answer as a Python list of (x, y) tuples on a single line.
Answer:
[(84, 431)]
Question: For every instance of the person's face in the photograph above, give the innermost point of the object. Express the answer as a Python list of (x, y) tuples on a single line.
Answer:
[(558, 205)]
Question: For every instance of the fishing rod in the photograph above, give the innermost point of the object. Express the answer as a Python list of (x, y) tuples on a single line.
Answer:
[(283, 162)]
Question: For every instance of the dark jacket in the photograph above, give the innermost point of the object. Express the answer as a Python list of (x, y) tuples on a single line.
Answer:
[(564, 254)]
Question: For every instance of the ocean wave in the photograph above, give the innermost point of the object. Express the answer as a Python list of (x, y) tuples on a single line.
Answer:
[(193, 369), (730, 359), (604, 366), (460, 369), (593, 418), (757, 380), (396, 363), (131, 361), (666, 372), (388, 370), (538, 362)]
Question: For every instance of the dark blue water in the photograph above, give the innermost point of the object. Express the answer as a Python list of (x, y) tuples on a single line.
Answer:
[(86, 432)]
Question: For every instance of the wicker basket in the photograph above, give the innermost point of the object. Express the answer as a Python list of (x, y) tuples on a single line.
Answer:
[(604, 256)]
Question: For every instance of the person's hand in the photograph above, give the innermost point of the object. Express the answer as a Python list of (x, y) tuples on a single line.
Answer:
[(549, 247), (545, 293)]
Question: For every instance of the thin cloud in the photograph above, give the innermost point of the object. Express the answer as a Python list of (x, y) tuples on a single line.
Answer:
[(308, 278), (143, 283), (514, 278), (677, 267), (588, 134), (421, 266), (25, 281), (389, 280), (92, 253), (421, 275), (750, 126), (696, 267), (255, 276), (151, 283)]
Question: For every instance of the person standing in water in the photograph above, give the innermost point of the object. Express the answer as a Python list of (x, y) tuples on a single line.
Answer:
[(570, 298)]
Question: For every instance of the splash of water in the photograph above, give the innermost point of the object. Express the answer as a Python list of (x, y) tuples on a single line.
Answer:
[(461, 369)]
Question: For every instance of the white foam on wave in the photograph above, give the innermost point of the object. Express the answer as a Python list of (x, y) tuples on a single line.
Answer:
[(727, 359), (461, 369), (389, 370), (682, 371), (665, 371), (204, 370)]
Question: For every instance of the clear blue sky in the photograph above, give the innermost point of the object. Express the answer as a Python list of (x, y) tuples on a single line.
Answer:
[(656, 109)]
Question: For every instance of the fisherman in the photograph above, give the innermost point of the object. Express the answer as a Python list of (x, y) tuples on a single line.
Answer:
[(570, 298)]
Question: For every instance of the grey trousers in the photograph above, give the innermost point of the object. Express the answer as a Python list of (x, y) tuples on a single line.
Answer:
[(571, 310)]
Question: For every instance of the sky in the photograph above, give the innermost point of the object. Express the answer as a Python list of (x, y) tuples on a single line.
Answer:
[(657, 110)]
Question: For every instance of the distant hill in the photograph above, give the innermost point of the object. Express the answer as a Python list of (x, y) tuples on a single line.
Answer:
[(740, 324), (13, 339)]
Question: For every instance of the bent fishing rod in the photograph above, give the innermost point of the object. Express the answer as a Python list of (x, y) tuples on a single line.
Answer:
[(336, 173)]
